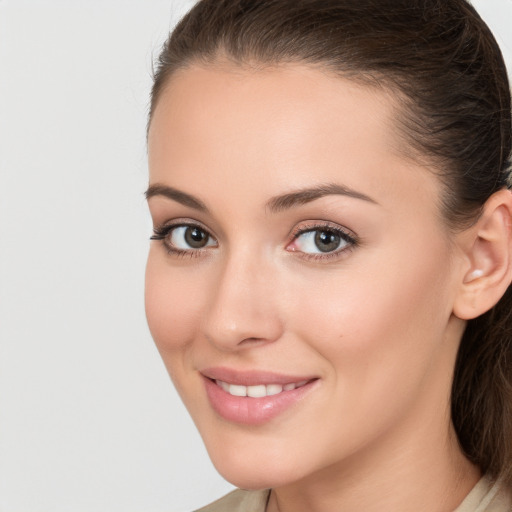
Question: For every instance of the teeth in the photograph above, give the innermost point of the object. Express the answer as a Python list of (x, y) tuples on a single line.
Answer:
[(258, 391), (237, 390), (223, 385), (274, 389)]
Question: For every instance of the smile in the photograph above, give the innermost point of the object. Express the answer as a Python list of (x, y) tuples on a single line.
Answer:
[(260, 390), (255, 397)]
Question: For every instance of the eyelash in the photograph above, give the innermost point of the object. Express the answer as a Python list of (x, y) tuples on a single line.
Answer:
[(351, 240), (162, 232)]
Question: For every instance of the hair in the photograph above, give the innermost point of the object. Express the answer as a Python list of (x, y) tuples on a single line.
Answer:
[(440, 60)]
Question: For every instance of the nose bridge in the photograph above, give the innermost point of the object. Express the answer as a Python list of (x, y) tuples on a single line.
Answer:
[(242, 306)]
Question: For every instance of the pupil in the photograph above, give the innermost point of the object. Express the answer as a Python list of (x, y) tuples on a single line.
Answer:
[(327, 241), (196, 237)]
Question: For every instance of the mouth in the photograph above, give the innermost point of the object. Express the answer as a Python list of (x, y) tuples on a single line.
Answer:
[(259, 390), (254, 398)]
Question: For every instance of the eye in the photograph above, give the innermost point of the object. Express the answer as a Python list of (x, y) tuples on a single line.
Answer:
[(189, 237), (321, 241), (183, 238)]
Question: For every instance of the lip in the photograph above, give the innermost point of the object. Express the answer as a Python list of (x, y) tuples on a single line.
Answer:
[(248, 410), (252, 377)]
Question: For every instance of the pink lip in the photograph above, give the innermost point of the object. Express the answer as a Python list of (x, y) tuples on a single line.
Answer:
[(248, 410)]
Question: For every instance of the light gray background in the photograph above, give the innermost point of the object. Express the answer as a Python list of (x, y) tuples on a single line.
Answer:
[(88, 418)]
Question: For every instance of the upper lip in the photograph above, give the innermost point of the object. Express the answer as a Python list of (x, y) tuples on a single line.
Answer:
[(252, 377)]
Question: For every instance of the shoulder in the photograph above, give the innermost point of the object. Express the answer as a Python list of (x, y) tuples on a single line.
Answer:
[(239, 500), (498, 501), (488, 496)]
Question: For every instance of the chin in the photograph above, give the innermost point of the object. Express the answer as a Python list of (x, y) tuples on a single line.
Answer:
[(253, 478), (257, 471)]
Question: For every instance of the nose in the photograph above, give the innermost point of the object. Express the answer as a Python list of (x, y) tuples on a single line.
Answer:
[(242, 308)]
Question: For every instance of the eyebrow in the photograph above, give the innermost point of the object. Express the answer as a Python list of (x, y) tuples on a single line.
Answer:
[(304, 196), (275, 204), (176, 195)]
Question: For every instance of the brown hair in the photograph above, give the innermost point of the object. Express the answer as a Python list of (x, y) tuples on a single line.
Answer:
[(445, 67)]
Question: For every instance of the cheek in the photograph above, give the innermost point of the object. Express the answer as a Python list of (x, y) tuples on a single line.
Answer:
[(173, 305), (380, 329)]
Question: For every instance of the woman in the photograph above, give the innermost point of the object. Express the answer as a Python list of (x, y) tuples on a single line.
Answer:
[(329, 282)]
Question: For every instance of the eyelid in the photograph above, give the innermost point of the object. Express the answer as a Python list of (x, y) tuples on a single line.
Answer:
[(315, 225), (346, 234), (162, 231), (181, 221)]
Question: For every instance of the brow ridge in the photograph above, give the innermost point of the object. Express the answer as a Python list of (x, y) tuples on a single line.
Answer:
[(304, 196), (176, 195), (275, 204)]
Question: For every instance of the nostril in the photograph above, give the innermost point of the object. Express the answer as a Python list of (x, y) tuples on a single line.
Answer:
[(253, 341)]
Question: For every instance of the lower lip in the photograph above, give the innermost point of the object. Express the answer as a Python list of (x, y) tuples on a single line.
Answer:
[(253, 411)]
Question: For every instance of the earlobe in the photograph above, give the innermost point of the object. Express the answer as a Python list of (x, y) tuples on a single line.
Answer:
[(488, 252)]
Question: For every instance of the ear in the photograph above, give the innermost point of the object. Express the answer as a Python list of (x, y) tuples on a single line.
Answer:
[(487, 249)]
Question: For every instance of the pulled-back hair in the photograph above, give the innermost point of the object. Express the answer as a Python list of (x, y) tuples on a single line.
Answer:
[(444, 66)]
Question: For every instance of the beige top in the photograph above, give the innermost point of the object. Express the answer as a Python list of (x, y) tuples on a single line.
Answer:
[(484, 497)]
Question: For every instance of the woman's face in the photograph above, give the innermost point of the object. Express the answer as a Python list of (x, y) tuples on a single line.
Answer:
[(302, 260)]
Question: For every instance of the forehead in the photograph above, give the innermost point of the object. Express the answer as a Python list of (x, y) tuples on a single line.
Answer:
[(268, 129), (288, 100)]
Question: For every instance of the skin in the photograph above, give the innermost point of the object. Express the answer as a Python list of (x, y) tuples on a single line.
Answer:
[(374, 322)]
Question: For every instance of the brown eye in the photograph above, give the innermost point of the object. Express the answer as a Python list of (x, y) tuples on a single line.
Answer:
[(327, 241), (322, 240), (195, 237), (188, 238), (184, 238)]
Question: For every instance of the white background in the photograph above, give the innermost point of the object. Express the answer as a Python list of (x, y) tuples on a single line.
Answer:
[(88, 418)]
